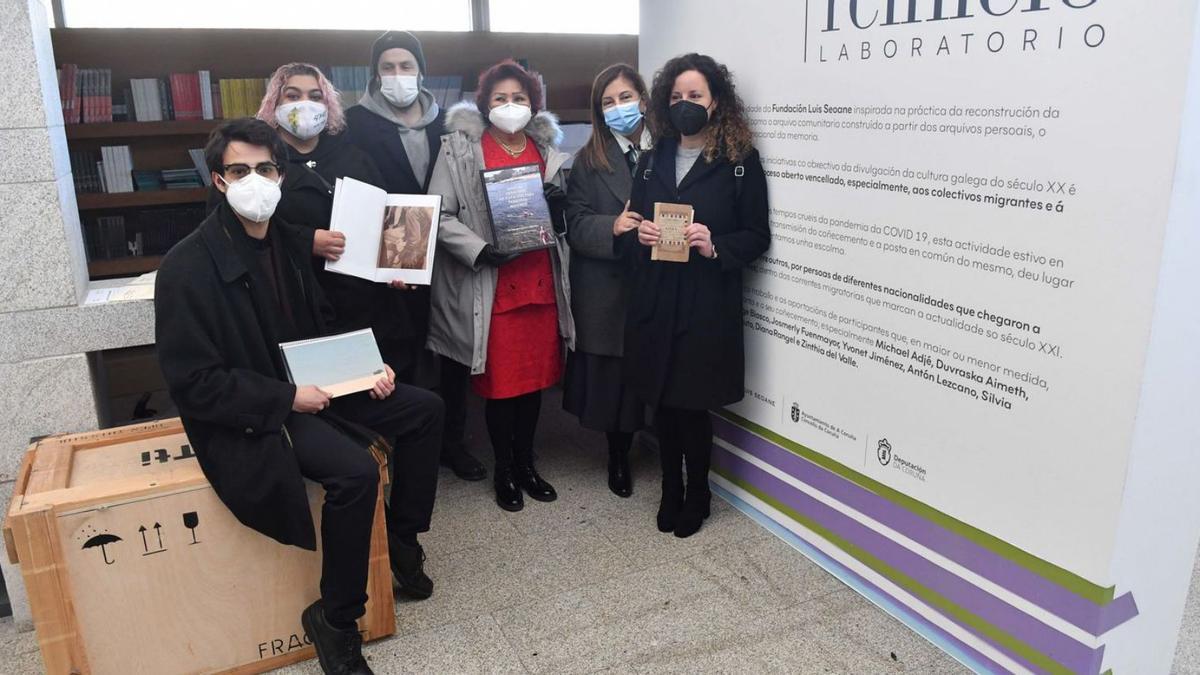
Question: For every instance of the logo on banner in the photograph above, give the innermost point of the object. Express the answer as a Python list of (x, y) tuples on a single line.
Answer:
[(884, 452), (795, 412), (890, 30)]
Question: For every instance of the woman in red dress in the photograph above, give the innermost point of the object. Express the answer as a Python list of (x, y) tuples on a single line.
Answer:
[(503, 318)]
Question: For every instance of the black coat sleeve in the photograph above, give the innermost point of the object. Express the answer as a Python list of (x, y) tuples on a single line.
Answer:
[(627, 245), (589, 233), (187, 329), (752, 237)]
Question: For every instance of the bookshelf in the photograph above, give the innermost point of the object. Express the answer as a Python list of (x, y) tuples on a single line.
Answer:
[(568, 63), (124, 267), (124, 130), (90, 201)]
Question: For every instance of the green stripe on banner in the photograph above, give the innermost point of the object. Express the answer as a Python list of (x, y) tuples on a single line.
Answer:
[(933, 598), (1062, 577)]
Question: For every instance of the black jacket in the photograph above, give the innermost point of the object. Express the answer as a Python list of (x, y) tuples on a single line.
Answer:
[(380, 139), (683, 329), (595, 198), (224, 372), (307, 203)]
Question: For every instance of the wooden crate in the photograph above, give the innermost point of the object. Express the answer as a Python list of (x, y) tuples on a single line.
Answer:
[(133, 565)]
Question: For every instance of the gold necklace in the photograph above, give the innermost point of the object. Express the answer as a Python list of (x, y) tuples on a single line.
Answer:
[(508, 149)]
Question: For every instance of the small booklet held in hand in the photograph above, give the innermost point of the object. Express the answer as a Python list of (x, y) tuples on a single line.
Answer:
[(517, 205), (338, 364), (388, 237), (672, 220)]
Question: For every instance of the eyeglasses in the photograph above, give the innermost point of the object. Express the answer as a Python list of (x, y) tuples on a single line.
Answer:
[(264, 169)]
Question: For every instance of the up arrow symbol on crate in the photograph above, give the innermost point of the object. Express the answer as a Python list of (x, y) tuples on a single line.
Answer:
[(158, 531), (145, 546)]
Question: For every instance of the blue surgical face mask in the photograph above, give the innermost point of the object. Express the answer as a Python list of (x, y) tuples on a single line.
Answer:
[(625, 118)]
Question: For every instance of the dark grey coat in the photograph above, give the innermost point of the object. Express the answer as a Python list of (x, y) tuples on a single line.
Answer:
[(595, 198)]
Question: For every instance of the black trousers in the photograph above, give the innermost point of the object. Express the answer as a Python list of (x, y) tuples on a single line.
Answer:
[(410, 419), (455, 379)]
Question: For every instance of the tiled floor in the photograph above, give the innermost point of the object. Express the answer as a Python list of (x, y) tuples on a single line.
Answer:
[(588, 584)]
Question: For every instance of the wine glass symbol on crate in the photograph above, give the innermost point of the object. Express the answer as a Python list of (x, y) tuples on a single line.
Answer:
[(191, 520)]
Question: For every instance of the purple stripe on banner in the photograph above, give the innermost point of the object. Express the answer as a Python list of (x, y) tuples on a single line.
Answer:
[(1038, 590), (1077, 657), (860, 584)]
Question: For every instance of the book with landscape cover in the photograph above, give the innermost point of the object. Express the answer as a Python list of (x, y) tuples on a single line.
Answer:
[(517, 206)]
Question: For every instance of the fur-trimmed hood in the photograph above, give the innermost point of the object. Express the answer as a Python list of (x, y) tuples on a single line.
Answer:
[(465, 118)]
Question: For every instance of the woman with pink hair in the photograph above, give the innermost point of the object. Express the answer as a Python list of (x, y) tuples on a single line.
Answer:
[(306, 110)]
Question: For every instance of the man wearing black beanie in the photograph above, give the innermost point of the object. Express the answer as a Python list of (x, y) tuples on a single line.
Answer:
[(400, 125)]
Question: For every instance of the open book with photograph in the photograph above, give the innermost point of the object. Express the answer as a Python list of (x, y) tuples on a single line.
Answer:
[(517, 205), (388, 237), (338, 364)]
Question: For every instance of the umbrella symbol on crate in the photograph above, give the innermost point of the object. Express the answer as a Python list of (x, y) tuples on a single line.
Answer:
[(102, 540)]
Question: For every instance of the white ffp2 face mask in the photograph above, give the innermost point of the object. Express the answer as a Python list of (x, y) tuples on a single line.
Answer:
[(302, 119), (253, 197), (400, 90), (510, 117)]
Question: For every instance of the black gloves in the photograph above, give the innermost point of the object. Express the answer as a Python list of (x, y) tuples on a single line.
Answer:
[(492, 257), (556, 199)]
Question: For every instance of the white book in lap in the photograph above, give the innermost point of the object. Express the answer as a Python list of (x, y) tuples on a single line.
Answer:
[(388, 237), (337, 364)]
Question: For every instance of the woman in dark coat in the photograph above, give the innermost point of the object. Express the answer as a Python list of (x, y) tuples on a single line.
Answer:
[(597, 194), (683, 329), (302, 105)]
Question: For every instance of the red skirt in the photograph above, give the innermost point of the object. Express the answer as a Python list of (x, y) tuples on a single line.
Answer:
[(524, 352)]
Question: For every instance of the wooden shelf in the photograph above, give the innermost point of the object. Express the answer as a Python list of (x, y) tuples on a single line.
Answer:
[(123, 267), (117, 200), (140, 129)]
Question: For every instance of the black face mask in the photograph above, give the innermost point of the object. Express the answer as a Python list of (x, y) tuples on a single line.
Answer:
[(688, 118)]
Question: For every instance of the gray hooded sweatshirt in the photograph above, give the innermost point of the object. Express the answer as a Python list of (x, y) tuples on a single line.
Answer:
[(416, 142)]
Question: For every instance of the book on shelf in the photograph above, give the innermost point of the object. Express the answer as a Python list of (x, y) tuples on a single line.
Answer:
[(86, 94), (118, 168), (68, 92), (185, 95), (83, 171), (204, 84), (350, 82), (198, 159), (241, 97), (145, 181), (146, 232), (181, 179)]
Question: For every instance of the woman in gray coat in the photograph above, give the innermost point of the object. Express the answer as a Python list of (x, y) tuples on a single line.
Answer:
[(597, 195), (504, 319)]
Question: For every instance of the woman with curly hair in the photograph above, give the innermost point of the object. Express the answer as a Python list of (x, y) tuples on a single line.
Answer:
[(683, 328)]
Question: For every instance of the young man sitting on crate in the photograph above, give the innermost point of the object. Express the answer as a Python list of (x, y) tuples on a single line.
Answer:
[(226, 296)]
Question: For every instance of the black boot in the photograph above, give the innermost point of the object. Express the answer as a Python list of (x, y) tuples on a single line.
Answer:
[(463, 464), (339, 651), (696, 506), (695, 511), (529, 480), (508, 493), (672, 488), (620, 480), (408, 569)]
